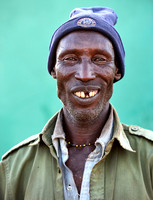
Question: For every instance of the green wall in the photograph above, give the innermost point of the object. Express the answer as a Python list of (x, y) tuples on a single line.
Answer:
[(28, 93)]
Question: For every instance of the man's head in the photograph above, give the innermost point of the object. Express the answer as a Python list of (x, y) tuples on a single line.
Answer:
[(85, 70), (86, 57)]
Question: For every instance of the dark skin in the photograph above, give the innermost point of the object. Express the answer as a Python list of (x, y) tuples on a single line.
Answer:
[(85, 71)]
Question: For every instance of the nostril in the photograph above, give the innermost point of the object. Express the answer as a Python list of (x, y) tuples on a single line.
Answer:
[(85, 76)]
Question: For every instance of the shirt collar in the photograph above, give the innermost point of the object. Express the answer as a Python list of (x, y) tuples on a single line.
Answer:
[(105, 136), (58, 131), (107, 131), (119, 133)]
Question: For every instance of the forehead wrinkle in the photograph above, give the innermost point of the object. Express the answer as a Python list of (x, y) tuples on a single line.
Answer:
[(84, 36), (81, 40)]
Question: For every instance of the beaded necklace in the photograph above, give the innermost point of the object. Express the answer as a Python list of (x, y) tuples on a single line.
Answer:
[(79, 145)]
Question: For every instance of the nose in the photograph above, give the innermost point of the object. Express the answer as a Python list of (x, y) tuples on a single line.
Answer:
[(85, 72)]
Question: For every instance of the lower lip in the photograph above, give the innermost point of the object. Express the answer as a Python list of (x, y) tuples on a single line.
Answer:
[(85, 101)]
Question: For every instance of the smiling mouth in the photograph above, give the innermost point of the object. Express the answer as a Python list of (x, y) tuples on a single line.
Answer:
[(85, 95)]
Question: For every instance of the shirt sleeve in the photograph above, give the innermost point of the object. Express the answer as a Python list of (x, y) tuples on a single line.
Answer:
[(151, 172), (3, 185)]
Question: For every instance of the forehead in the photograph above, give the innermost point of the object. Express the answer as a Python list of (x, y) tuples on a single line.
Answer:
[(85, 40)]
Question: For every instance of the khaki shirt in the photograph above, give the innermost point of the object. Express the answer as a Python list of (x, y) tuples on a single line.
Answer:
[(30, 170)]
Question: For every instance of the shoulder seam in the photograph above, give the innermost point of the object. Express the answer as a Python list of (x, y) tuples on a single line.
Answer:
[(138, 131), (21, 144)]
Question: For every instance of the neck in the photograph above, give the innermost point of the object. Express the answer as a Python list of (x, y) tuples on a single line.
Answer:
[(83, 132)]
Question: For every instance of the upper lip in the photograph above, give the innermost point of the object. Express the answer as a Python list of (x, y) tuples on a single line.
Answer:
[(84, 88)]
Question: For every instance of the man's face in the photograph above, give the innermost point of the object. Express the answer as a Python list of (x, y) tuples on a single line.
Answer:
[(85, 70)]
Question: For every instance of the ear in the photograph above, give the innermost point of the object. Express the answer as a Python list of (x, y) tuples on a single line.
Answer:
[(117, 76), (53, 73)]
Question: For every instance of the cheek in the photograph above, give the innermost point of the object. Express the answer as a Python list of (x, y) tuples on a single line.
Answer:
[(60, 76), (64, 76), (60, 87), (62, 81), (63, 73), (107, 75)]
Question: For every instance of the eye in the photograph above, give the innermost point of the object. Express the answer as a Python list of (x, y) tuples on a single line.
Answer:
[(99, 60), (70, 59)]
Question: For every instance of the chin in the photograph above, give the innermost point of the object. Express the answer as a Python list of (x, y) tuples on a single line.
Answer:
[(86, 114)]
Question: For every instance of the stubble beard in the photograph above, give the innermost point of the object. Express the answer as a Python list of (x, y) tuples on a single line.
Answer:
[(85, 114)]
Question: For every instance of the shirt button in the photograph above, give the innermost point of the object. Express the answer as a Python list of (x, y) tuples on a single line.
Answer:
[(134, 128), (69, 187)]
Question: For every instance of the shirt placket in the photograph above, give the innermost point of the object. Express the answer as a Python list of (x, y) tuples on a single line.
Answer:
[(70, 190)]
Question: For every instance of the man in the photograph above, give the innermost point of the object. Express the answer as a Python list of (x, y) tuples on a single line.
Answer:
[(83, 152)]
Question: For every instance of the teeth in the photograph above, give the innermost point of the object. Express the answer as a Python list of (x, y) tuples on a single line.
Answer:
[(84, 95), (95, 92), (78, 94), (91, 94)]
